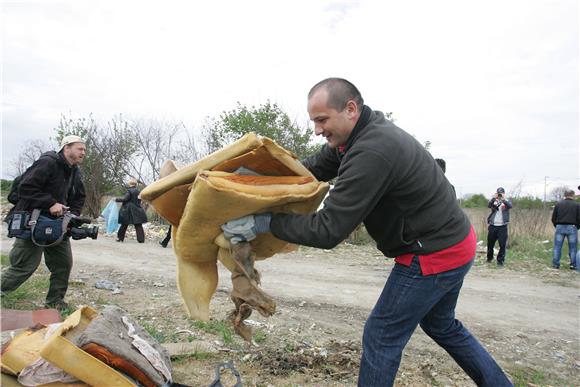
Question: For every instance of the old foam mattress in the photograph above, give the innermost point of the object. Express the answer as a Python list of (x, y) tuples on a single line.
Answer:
[(198, 198)]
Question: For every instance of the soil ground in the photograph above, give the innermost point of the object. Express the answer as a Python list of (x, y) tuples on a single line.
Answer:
[(528, 320)]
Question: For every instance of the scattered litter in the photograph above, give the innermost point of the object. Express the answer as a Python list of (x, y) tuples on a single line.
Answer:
[(159, 284), (109, 285), (254, 323), (185, 331)]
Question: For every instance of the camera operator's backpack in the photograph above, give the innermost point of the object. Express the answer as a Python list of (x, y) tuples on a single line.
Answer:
[(13, 196)]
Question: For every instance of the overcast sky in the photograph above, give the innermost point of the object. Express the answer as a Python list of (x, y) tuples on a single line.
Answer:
[(492, 85)]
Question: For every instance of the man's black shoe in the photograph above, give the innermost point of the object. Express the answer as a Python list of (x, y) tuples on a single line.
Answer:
[(163, 244), (572, 267), (58, 305), (555, 267)]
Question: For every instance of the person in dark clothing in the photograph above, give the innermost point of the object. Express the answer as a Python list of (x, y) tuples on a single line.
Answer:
[(131, 212), (442, 164), (386, 179), (54, 185), (566, 219), (167, 238), (497, 225)]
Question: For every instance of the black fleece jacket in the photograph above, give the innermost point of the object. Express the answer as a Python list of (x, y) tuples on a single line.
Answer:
[(386, 179), (566, 211), (46, 183)]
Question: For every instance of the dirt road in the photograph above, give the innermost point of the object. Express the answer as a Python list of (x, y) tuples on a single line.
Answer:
[(530, 321)]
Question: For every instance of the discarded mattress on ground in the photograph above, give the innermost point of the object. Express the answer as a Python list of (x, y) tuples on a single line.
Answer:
[(99, 349)]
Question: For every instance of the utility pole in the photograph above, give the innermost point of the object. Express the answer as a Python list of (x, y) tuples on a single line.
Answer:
[(545, 188)]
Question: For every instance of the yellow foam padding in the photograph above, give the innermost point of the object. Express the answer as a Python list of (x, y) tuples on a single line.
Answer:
[(22, 351), (197, 199), (168, 195), (61, 352)]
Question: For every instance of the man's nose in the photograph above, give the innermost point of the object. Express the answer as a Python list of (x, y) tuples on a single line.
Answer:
[(318, 130)]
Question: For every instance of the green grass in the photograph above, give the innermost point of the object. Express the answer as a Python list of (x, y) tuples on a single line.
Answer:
[(259, 336), (221, 328), (531, 254), (523, 377), (30, 295), (154, 332)]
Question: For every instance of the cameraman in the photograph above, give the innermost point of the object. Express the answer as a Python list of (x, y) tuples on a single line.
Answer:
[(498, 225), (51, 184)]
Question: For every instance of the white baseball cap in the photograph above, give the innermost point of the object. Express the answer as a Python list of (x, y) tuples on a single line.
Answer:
[(70, 139)]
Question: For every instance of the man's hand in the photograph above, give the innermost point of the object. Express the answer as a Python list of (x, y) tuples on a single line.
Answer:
[(246, 228), (57, 209)]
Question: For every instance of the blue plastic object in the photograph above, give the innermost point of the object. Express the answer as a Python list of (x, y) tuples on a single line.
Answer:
[(111, 215)]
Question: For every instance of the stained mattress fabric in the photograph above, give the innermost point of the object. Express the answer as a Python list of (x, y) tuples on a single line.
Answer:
[(118, 341), (197, 199)]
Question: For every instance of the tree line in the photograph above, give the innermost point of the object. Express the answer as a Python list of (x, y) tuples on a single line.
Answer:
[(121, 148)]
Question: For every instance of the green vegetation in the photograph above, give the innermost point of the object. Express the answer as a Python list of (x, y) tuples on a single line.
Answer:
[(221, 328), (28, 296), (259, 336), (476, 201), (523, 377), (154, 332), (5, 186), (266, 120)]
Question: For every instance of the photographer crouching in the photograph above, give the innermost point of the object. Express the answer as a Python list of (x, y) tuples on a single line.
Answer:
[(49, 196)]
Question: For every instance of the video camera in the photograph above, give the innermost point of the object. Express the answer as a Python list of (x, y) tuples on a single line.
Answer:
[(76, 230), (47, 231)]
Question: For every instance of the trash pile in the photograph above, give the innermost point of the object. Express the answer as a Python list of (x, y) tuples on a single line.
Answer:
[(107, 349)]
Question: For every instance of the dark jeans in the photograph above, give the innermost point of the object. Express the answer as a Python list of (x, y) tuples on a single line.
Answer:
[(410, 299), (138, 229), (25, 258), (499, 234)]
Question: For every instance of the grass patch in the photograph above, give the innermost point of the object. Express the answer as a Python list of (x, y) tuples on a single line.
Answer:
[(30, 295), (259, 336), (523, 377), (220, 328), (5, 260), (154, 332), (530, 254)]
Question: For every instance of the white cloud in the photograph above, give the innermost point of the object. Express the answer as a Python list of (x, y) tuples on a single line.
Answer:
[(493, 86)]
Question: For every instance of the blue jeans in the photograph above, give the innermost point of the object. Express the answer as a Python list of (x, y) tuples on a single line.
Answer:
[(410, 299), (565, 231)]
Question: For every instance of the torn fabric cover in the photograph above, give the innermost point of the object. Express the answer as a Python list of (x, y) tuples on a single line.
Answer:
[(197, 199)]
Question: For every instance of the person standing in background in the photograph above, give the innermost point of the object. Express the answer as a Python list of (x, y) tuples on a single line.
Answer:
[(498, 225), (566, 219), (131, 212)]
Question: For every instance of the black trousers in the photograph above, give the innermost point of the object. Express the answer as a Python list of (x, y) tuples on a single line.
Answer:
[(499, 234), (138, 229), (167, 238)]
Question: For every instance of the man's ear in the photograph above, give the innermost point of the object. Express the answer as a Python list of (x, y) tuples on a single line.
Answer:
[(352, 109)]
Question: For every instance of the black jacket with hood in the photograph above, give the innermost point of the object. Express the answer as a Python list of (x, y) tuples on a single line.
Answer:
[(386, 179), (51, 180), (131, 211)]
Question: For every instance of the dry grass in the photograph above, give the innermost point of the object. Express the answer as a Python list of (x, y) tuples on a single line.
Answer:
[(524, 224)]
